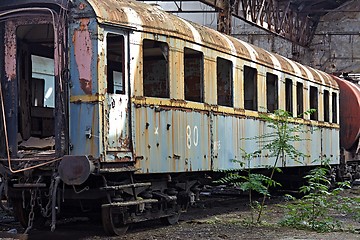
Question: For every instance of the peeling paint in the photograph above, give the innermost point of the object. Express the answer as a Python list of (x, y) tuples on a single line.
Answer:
[(10, 51), (83, 55)]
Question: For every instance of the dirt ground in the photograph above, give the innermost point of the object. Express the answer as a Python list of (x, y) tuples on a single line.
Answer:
[(215, 218)]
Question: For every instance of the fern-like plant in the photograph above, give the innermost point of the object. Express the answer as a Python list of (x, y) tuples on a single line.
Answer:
[(314, 209)]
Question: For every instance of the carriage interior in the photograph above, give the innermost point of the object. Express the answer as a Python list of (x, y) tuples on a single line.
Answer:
[(36, 89)]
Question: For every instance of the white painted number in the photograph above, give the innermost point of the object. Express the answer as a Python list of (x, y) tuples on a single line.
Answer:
[(196, 136), (188, 136), (194, 139)]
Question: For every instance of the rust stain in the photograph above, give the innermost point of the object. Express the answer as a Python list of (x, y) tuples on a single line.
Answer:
[(85, 85), (83, 55), (124, 141), (10, 51), (82, 6)]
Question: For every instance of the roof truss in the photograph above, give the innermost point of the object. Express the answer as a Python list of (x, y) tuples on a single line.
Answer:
[(295, 20)]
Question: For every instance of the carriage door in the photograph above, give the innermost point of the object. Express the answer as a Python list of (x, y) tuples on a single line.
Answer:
[(117, 113)]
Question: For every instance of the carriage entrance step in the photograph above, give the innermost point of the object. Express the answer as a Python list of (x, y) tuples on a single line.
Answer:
[(29, 185), (131, 185), (123, 169), (129, 203)]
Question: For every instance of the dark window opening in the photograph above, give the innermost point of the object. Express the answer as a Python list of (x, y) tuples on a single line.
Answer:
[(250, 88), (36, 81), (155, 69), (288, 96), (194, 75), (300, 100), (326, 106), (115, 64), (334, 108), (314, 103), (224, 82), (271, 92)]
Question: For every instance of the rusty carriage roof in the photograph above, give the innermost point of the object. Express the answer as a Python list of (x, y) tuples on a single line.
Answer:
[(148, 18)]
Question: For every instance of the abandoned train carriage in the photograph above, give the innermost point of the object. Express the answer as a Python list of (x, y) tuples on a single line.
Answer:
[(131, 104)]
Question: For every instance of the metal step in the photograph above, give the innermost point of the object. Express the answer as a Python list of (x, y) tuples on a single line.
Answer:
[(118, 169), (129, 203), (131, 185), (29, 185)]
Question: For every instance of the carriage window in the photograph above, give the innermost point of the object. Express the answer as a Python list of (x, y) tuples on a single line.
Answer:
[(326, 106), (334, 108), (155, 69), (271, 92), (193, 75), (288, 96), (300, 99), (314, 102), (115, 64), (250, 88), (224, 82)]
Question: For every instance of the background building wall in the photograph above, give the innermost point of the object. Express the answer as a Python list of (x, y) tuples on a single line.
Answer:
[(336, 44)]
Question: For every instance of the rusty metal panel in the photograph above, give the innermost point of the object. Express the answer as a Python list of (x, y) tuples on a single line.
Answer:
[(85, 135), (117, 122), (318, 143), (231, 135), (313, 144), (171, 140), (330, 145), (85, 114), (83, 60), (228, 137), (9, 84)]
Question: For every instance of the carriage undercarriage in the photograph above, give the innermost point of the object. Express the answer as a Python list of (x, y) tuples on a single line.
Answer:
[(119, 199)]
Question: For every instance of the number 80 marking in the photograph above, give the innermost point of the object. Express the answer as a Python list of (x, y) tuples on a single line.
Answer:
[(194, 139)]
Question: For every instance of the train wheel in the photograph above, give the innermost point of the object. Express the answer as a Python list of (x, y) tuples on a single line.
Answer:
[(22, 215), (171, 220), (111, 222)]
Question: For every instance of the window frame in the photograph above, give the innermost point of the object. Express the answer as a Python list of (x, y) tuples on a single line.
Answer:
[(314, 102), (272, 80), (299, 100), (289, 96), (326, 105), (164, 48), (112, 66), (334, 97), (228, 96), (201, 75), (246, 84)]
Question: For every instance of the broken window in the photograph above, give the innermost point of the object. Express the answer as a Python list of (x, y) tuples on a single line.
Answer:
[(300, 100), (36, 80), (288, 96), (115, 64), (314, 102), (326, 106), (334, 108), (250, 88), (155, 69), (224, 82), (271, 92), (193, 75)]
